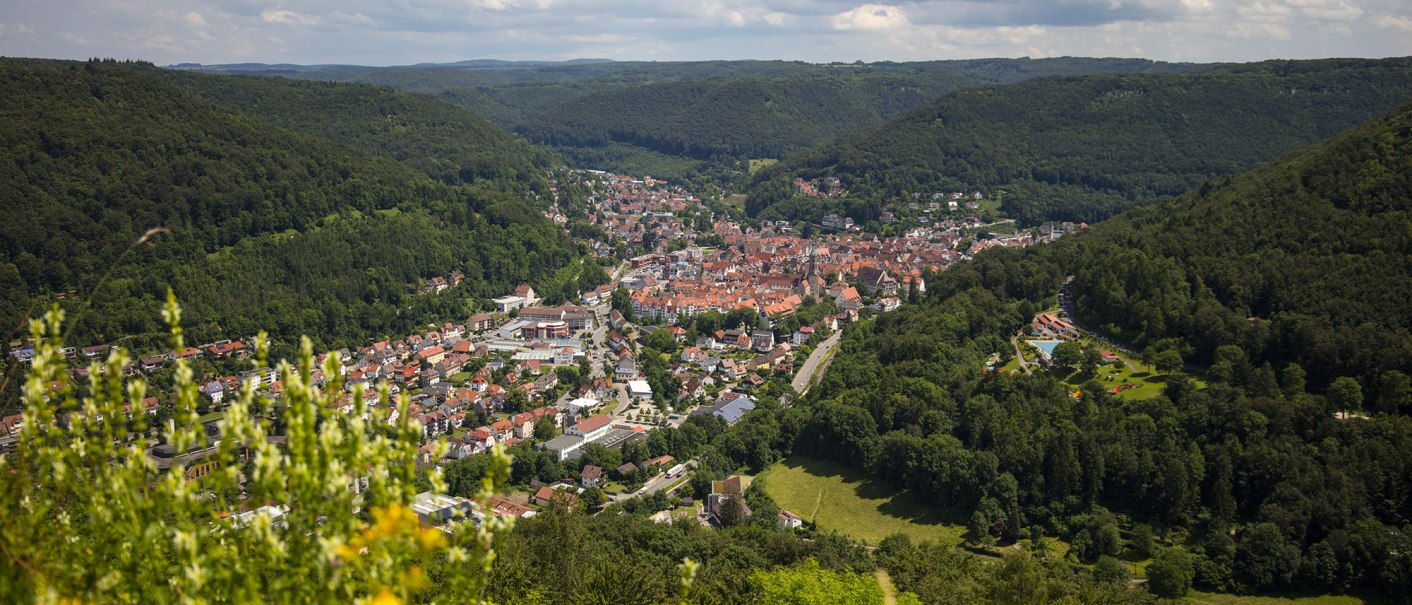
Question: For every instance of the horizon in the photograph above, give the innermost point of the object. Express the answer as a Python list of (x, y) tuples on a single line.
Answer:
[(364, 33)]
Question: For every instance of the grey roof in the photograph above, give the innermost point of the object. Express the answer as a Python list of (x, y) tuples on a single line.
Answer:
[(562, 442), (732, 411)]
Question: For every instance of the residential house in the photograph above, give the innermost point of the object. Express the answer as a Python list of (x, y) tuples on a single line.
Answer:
[(214, 391), (660, 461), (591, 476), (626, 370), (626, 471), (548, 495), (722, 492)]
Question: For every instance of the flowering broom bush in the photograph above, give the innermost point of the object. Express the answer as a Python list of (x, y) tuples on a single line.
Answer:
[(87, 515)]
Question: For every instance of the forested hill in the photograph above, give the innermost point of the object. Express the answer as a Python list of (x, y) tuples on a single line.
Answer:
[(1089, 147), (1252, 483), (753, 117), (684, 119), (1306, 260), (447, 142), (267, 228)]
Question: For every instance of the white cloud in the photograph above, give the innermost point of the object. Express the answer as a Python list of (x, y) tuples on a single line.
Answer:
[(1328, 10), (1394, 22), (1259, 31), (353, 19), (287, 17), (399, 32), (18, 28), (870, 17)]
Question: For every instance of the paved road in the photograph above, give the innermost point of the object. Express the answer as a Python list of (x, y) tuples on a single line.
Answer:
[(655, 484), (1024, 365), (805, 376)]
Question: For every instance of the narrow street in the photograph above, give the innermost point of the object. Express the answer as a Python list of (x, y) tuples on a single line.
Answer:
[(1019, 356)]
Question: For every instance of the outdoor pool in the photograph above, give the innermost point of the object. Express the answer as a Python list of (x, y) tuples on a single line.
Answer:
[(1045, 346)]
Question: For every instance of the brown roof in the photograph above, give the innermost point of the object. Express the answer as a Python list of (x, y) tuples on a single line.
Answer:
[(729, 487), (593, 423)]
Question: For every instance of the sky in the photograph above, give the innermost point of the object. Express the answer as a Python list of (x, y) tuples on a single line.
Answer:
[(401, 32)]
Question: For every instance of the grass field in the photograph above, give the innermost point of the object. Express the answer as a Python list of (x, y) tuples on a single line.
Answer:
[(835, 497), (1207, 598), (757, 164), (1148, 385)]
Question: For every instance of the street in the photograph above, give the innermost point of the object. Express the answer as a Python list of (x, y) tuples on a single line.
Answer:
[(655, 484), (804, 377)]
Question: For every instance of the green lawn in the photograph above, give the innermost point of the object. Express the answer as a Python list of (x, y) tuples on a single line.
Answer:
[(614, 487), (1207, 598), (1148, 384), (835, 497)]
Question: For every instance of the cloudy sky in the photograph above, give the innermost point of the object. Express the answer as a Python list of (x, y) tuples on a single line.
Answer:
[(396, 32)]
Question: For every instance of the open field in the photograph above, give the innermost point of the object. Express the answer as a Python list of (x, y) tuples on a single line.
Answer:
[(1207, 598), (757, 164), (835, 497)]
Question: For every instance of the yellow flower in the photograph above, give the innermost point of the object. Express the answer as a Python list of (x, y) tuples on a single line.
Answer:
[(431, 538), (416, 579), (385, 598), (389, 520), (347, 552)]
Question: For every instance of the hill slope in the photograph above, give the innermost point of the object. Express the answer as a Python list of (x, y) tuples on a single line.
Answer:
[(1253, 475), (445, 141), (677, 116), (266, 227), (1317, 247), (1086, 148)]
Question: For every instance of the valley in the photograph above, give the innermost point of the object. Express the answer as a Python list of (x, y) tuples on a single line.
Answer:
[(1100, 330)]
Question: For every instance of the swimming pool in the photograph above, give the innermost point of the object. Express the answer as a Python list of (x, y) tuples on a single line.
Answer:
[(1045, 346)]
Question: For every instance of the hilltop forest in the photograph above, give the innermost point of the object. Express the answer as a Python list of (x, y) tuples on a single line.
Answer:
[(696, 121), (1088, 147), (270, 213)]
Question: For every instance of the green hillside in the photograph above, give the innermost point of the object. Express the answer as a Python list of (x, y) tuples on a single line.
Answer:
[(756, 117), (1086, 148), (695, 118), (443, 140), (1306, 260), (1255, 476), (264, 227)]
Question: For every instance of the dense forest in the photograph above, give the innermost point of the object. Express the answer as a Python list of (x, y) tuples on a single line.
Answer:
[(1086, 148), (445, 141), (1307, 260), (696, 120), (1253, 482), (256, 225)]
